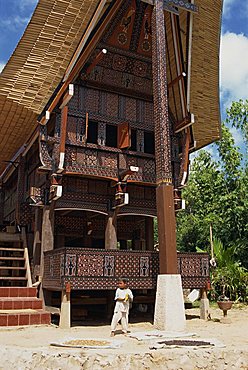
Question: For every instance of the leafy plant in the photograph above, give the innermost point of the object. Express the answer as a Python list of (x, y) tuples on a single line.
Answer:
[(229, 278)]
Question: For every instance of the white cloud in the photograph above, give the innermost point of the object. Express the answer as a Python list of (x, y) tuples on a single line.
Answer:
[(14, 23), (23, 4), (234, 67), (237, 136), (1, 66), (227, 7)]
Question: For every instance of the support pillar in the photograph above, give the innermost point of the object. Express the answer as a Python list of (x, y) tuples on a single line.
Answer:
[(37, 244), (111, 234), (47, 239), (204, 305), (65, 311), (169, 307)]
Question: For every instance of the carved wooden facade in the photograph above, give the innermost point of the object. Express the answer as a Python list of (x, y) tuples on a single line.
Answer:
[(78, 162)]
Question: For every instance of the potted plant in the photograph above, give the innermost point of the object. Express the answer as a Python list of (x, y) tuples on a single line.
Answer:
[(223, 301)]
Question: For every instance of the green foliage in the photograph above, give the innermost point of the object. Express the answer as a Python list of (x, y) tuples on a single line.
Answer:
[(217, 194), (237, 116), (228, 278)]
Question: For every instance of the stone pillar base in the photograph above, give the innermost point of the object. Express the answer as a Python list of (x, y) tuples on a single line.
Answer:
[(169, 306), (65, 311)]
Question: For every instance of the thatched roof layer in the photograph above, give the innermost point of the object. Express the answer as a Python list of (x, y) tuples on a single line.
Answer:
[(41, 57)]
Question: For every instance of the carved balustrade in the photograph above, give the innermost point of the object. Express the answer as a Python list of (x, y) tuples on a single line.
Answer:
[(100, 269), (104, 162)]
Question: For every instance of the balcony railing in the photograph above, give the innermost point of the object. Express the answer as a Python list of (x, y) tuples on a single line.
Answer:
[(100, 269), (104, 161)]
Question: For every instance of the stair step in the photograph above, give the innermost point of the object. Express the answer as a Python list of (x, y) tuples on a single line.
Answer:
[(12, 249), (12, 258), (12, 278), (12, 268), (20, 303), (18, 292), (40, 317)]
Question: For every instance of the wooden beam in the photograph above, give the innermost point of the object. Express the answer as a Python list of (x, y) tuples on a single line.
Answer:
[(170, 5), (67, 97), (63, 132), (183, 4)]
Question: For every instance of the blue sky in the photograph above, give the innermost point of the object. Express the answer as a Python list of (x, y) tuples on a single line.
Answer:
[(15, 14)]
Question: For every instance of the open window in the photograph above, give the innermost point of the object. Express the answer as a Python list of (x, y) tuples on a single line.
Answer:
[(133, 140), (149, 142), (111, 136), (92, 133)]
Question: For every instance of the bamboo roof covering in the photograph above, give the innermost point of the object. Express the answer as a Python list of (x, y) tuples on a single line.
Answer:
[(37, 66), (43, 54), (204, 100)]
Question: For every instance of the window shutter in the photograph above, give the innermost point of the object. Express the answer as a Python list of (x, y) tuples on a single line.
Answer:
[(124, 136)]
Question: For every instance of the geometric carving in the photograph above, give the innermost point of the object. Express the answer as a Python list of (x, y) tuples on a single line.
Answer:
[(109, 262), (88, 266), (70, 265), (100, 269), (144, 266)]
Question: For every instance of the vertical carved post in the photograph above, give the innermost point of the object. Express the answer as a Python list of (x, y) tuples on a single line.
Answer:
[(164, 191), (20, 189), (110, 233), (37, 243), (47, 239), (63, 132)]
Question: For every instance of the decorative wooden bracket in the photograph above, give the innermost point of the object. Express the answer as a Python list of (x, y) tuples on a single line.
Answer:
[(96, 60), (36, 195), (121, 195), (67, 97), (185, 158), (178, 201), (45, 158), (184, 123), (56, 187), (45, 118)]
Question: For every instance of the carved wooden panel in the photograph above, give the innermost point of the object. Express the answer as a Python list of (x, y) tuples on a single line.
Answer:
[(121, 36), (130, 109), (100, 269)]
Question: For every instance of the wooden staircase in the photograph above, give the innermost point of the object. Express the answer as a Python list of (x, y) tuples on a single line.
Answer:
[(19, 304), (14, 260)]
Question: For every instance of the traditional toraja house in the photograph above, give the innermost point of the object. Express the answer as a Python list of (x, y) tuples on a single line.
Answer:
[(101, 104)]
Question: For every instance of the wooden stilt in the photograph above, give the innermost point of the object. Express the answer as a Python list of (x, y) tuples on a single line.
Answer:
[(165, 199)]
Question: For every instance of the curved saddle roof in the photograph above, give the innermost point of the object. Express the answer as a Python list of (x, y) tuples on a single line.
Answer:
[(47, 46)]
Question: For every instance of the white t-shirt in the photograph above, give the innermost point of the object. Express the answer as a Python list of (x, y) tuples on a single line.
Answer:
[(122, 306)]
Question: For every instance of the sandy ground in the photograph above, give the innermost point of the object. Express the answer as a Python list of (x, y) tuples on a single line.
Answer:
[(29, 347)]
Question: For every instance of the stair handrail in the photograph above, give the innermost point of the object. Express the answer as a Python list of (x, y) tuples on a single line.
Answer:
[(26, 256)]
